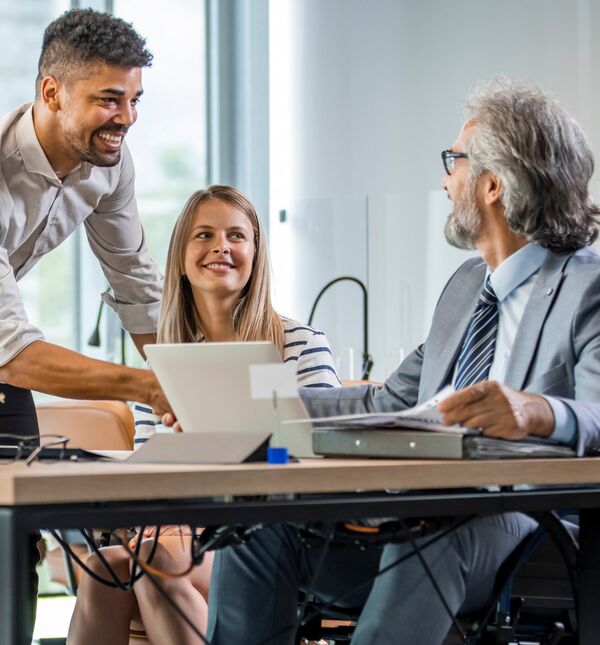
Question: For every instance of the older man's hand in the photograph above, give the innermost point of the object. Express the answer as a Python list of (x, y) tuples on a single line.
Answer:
[(499, 411)]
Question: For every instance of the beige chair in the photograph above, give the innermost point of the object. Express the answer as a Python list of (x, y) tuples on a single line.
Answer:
[(91, 425), (350, 383)]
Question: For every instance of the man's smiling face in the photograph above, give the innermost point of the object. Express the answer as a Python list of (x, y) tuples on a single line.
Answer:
[(96, 112)]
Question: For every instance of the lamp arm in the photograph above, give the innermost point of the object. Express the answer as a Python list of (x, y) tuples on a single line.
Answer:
[(94, 339), (367, 359)]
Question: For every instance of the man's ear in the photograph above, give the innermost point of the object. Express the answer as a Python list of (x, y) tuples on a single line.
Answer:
[(492, 189), (49, 89)]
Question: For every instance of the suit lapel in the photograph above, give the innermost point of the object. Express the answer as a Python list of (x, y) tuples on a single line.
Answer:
[(540, 301), (444, 342)]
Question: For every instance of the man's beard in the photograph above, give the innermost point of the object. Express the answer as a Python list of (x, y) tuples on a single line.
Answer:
[(86, 151), (464, 222)]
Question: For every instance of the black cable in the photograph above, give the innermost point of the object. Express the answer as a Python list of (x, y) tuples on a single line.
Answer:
[(77, 559), (400, 560), (166, 596), (135, 576), (128, 585), (566, 544), (124, 586), (137, 562), (316, 574), (419, 553), (324, 607), (138, 546)]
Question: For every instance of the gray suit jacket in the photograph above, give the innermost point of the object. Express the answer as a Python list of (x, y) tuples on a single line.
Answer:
[(556, 351)]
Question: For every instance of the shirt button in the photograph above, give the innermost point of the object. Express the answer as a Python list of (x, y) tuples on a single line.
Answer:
[(549, 291)]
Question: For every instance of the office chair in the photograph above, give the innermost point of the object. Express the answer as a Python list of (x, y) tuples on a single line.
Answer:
[(91, 425), (533, 600), (534, 597)]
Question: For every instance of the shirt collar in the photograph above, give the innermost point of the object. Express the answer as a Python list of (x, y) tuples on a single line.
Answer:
[(518, 267), (34, 157)]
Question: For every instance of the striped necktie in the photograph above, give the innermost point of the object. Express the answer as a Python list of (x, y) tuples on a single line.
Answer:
[(477, 353)]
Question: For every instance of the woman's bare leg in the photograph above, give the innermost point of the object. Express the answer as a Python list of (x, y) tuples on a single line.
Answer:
[(103, 614), (162, 623)]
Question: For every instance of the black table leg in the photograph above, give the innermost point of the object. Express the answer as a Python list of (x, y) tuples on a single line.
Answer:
[(589, 600), (16, 593)]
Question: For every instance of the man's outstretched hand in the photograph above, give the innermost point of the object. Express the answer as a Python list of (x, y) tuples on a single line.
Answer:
[(169, 420)]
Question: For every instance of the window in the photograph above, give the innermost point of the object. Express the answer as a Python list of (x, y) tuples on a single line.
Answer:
[(62, 293), (168, 140), (48, 305)]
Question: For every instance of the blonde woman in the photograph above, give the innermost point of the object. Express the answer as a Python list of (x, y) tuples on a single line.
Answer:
[(217, 288)]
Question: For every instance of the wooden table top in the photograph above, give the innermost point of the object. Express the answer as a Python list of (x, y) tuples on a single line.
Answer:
[(44, 483)]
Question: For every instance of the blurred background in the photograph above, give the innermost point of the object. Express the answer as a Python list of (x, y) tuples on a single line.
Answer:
[(331, 116)]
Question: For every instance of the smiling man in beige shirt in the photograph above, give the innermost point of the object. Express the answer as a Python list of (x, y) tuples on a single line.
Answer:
[(63, 162)]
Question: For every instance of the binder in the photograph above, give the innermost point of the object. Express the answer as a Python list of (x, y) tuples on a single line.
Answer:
[(386, 443)]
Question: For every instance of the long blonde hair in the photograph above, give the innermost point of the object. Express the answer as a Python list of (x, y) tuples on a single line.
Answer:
[(253, 317)]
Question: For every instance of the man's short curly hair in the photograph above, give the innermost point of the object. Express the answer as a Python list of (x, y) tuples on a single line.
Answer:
[(80, 39)]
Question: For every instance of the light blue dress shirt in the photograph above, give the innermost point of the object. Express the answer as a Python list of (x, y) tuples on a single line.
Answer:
[(513, 282)]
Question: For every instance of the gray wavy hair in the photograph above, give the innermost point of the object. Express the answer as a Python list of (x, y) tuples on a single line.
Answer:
[(543, 158)]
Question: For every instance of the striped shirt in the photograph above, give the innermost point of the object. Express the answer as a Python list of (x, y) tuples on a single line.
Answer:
[(306, 346)]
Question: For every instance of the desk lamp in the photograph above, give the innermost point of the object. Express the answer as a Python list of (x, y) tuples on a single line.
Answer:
[(367, 365), (94, 339)]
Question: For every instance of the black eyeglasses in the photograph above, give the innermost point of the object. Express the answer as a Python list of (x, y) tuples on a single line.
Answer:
[(31, 448), (449, 159)]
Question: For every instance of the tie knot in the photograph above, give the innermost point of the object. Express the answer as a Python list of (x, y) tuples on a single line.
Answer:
[(488, 295)]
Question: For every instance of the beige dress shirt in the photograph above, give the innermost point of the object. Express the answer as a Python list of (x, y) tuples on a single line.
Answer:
[(37, 213)]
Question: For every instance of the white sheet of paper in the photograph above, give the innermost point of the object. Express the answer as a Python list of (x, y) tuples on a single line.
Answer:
[(424, 416), (116, 455), (273, 377)]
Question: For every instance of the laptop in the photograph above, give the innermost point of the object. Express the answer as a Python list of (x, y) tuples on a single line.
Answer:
[(208, 386)]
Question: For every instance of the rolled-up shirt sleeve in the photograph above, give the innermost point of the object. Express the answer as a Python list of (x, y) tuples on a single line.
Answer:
[(16, 332), (116, 237)]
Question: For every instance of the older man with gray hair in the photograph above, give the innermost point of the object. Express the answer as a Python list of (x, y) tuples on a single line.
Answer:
[(516, 332)]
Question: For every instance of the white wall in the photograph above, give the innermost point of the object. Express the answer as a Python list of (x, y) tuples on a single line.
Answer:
[(364, 96)]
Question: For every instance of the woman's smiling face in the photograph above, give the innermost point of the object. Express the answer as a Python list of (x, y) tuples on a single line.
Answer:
[(219, 253)]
